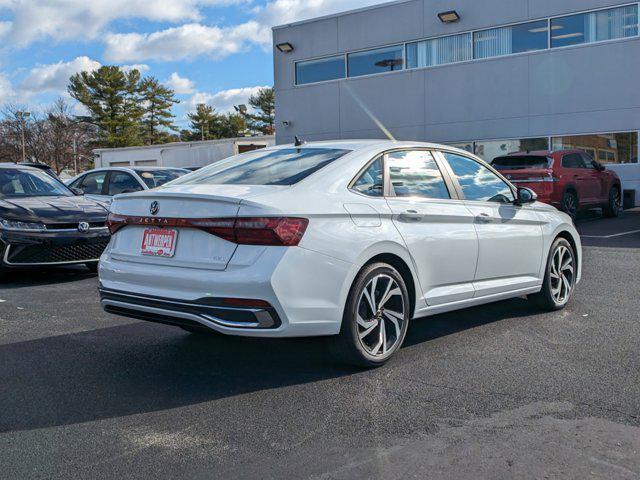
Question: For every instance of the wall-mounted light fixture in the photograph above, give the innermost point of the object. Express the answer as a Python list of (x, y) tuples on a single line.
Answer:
[(286, 123), (449, 17), (285, 47)]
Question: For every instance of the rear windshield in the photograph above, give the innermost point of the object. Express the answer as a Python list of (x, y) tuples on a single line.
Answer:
[(276, 167), (155, 178), (521, 162)]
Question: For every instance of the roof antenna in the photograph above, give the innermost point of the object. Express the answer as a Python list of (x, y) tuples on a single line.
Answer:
[(299, 142)]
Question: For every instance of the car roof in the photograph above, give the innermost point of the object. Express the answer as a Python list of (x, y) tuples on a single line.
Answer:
[(19, 166), (541, 153), (381, 144)]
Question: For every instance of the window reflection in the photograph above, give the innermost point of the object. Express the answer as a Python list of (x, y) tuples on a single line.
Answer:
[(606, 148), (371, 181), (439, 51), (527, 37), (477, 181), (321, 70), (488, 150), (379, 60), (415, 174), (594, 26)]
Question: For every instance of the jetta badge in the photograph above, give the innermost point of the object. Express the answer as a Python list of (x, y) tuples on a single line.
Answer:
[(83, 227), (155, 208)]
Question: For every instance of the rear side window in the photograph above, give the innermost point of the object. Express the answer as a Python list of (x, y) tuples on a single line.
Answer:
[(521, 162), (275, 167), (416, 174), (371, 182)]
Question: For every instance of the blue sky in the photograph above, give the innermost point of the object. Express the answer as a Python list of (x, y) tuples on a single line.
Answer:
[(210, 51)]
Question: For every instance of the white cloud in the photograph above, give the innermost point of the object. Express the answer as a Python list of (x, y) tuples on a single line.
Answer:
[(224, 100), (180, 85), (55, 77), (70, 19), (7, 93), (178, 43), (141, 67), (196, 39), (5, 27)]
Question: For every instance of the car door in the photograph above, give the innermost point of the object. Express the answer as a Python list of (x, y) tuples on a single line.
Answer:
[(123, 182), (579, 177), (595, 182), (510, 236), (93, 184), (437, 228)]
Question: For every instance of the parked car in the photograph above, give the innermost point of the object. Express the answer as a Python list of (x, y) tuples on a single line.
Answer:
[(103, 183), (568, 179), (41, 166), (351, 239), (43, 223)]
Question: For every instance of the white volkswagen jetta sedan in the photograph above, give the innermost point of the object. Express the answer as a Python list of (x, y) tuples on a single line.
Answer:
[(348, 238)]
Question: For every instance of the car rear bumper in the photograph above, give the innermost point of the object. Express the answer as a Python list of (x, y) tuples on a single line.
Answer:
[(25, 249), (305, 292)]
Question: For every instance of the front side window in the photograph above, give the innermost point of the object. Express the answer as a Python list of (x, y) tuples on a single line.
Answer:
[(26, 183), (439, 51), (573, 160), (320, 70), (92, 183), (597, 26), (416, 174), (123, 182), (527, 37), (285, 166), (371, 182), (478, 183), (380, 60)]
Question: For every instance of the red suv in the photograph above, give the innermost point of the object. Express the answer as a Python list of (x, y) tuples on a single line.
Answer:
[(568, 179)]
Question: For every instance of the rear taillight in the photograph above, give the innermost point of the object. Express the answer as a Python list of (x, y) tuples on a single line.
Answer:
[(274, 231)]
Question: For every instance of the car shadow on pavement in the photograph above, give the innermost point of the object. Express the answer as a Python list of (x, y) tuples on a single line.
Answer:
[(137, 368), (20, 278)]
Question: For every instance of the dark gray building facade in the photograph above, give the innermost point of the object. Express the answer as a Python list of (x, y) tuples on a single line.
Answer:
[(507, 75)]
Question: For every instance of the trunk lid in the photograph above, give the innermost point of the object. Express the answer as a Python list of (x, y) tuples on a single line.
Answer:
[(193, 248)]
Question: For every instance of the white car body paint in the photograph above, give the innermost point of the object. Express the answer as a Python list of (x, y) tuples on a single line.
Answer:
[(454, 261)]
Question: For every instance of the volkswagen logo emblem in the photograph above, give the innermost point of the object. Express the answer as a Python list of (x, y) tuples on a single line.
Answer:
[(83, 227), (155, 208)]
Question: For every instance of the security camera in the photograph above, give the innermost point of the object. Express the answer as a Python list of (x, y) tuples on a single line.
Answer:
[(286, 123)]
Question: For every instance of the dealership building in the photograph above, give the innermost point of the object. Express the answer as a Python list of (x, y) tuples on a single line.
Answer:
[(489, 76)]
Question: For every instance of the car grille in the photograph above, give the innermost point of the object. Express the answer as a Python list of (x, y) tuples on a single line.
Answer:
[(42, 254)]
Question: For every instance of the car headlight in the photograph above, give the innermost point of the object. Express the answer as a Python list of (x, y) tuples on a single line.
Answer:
[(21, 226)]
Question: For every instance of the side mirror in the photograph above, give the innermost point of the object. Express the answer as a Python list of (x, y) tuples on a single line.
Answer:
[(599, 167), (525, 196), (77, 191)]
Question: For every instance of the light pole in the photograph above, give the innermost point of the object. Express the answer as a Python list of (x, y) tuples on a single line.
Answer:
[(23, 118)]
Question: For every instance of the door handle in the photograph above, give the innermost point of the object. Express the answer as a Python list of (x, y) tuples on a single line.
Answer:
[(483, 218), (411, 215)]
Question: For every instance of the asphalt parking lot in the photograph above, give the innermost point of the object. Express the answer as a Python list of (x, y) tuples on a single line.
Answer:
[(499, 391)]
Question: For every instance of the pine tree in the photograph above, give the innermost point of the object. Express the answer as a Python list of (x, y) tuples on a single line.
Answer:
[(157, 101), (201, 122), (264, 118), (111, 97)]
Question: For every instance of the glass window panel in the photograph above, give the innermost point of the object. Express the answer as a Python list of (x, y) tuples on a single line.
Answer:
[(488, 150), (92, 183), (438, 51), (607, 148), (527, 37), (122, 182), (371, 181), (416, 174), (477, 181), (594, 26), (320, 70), (468, 146), (379, 60)]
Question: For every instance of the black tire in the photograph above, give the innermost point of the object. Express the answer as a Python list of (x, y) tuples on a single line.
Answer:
[(349, 346), (547, 299), (92, 266), (614, 206), (570, 204)]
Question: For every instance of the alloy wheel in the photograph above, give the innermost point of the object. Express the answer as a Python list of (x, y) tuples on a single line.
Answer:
[(562, 274), (616, 202), (570, 205), (381, 315)]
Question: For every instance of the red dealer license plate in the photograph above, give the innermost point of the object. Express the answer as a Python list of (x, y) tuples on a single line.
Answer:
[(160, 242)]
